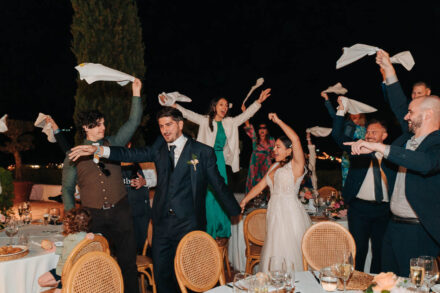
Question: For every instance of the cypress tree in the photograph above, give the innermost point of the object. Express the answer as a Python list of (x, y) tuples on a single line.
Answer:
[(109, 33)]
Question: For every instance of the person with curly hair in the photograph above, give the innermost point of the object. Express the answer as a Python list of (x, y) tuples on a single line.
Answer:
[(75, 229)]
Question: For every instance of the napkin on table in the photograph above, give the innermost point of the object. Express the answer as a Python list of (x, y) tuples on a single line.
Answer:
[(47, 127), (92, 72)]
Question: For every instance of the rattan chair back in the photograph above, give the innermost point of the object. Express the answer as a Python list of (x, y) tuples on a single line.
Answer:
[(254, 227), (144, 263), (324, 243), (326, 191), (98, 243), (95, 272), (198, 262)]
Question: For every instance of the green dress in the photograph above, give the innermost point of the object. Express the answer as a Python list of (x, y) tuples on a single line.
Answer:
[(218, 223)]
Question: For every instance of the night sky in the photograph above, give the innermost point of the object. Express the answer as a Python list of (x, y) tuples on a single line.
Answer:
[(206, 49)]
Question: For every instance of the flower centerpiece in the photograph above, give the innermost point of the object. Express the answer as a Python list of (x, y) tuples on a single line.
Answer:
[(388, 283), (336, 207), (6, 194), (305, 195)]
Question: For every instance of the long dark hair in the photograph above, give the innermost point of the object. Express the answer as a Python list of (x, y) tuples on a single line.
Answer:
[(288, 144), (211, 112)]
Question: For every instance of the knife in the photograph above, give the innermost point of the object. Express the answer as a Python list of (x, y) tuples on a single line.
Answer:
[(316, 278)]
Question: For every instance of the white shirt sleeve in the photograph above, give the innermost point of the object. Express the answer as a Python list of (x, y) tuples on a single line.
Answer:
[(150, 178), (105, 153)]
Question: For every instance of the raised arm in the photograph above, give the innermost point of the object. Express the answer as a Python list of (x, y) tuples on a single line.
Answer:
[(328, 105), (338, 133), (190, 115), (59, 135), (252, 109), (256, 190), (298, 153), (246, 124), (126, 131)]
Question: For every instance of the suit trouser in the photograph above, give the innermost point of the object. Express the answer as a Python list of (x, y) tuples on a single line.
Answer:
[(116, 225), (405, 241), (166, 237), (368, 220)]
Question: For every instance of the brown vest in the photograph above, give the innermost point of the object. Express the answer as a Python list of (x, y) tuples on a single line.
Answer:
[(96, 188)]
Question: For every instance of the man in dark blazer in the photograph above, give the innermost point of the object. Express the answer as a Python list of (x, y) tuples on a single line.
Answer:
[(368, 212), (414, 228), (184, 169)]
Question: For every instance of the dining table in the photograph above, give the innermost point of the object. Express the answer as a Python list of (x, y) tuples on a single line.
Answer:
[(305, 282), (21, 275), (237, 245)]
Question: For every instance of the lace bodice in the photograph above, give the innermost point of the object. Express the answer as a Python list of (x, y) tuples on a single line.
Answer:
[(284, 181)]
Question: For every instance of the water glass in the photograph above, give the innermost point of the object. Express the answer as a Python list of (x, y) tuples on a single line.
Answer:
[(260, 283), (11, 229), (277, 271), (289, 277), (23, 239), (242, 282), (431, 270), (328, 278), (27, 218), (54, 215)]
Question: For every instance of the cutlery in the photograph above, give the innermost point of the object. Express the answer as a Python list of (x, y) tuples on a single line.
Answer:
[(316, 278)]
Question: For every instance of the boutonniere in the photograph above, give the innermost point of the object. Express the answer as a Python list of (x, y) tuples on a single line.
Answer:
[(193, 162)]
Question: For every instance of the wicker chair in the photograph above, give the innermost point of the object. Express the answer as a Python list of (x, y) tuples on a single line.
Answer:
[(94, 272), (254, 229), (98, 243), (145, 263), (326, 191), (198, 263), (323, 244), (223, 248)]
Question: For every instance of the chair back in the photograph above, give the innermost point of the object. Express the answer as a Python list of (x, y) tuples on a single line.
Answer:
[(323, 245), (198, 262), (254, 227), (98, 243), (326, 191), (95, 272)]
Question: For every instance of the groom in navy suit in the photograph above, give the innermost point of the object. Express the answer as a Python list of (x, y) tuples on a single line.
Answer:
[(184, 169)]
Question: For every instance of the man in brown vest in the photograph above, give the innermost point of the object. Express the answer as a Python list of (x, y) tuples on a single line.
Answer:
[(102, 189)]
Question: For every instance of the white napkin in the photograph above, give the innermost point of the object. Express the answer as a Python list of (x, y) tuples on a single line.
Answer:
[(355, 107), (3, 127), (173, 97), (258, 83), (92, 72), (358, 51), (47, 127), (405, 58), (319, 131), (337, 89)]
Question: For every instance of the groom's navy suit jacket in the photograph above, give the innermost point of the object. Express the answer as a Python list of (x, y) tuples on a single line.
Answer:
[(184, 189)]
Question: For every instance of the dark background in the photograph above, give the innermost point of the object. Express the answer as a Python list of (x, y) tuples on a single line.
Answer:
[(206, 49)]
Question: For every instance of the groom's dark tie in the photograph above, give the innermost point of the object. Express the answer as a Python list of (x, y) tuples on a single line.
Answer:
[(378, 193), (171, 155)]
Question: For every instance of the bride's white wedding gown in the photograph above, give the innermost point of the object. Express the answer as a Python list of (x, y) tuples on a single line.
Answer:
[(286, 219)]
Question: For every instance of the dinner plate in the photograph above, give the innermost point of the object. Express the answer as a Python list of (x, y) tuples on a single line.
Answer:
[(436, 288), (23, 247)]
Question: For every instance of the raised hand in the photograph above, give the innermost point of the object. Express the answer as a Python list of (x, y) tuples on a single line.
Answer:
[(136, 87), (263, 96), (52, 122), (243, 108), (274, 118), (341, 106), (81, 151), (384, 61), (324, 95)]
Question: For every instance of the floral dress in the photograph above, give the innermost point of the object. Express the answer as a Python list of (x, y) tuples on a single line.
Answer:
[(261, 158)]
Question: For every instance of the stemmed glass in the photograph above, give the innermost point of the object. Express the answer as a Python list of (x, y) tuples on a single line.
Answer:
[(431, 270), (345, 268), (289, 277), (417, 271), (20, 209), (241, 282), (277, 271), (11, 229), (54, 215)]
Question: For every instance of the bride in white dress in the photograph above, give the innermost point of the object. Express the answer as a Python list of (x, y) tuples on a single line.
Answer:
[(286, 219)]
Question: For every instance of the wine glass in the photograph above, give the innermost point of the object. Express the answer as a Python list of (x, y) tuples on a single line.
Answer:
[(345, 268), (11, 229), (54, 215), (27, 218), (277, 271), (46, 216), (315, 199), (417, 271), (289, 277), (241, 282), (431, 270), (20, 209)]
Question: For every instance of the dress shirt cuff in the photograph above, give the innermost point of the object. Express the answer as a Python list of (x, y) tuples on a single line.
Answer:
[(392, 79), (105, 153), (386, 152), (340, 113)]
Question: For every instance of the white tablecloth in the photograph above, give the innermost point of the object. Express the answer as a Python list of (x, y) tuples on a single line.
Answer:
[(306, 283), (21, 275), (43, 191), (237, 245)]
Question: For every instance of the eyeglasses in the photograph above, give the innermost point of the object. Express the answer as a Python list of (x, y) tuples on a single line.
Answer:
[(105, 171)]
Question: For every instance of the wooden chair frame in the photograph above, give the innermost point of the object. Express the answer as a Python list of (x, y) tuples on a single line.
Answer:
[(252, 243), (145, 263)]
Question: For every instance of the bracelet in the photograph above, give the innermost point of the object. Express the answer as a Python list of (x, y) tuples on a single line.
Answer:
[(98, 151)]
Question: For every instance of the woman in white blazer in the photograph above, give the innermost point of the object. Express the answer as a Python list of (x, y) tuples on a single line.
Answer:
[(219, 131)]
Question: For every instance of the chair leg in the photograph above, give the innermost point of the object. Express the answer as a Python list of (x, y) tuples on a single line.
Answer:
[(143, 283), (228, 267), (248, 266)]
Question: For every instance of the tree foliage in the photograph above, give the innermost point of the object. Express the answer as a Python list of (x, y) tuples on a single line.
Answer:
[(19, 140), (6, 191), (109, 33)]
